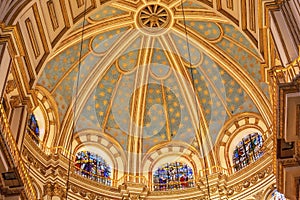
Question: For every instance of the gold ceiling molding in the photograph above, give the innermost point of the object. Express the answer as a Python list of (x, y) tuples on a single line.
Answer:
[(90, 83), (63, 4), (154, 19), (258, 102), (64, 9), (233, 68), (47, 39)]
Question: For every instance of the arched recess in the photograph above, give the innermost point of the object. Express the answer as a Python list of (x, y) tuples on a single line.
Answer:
[(233, 132), (103, 145), (38, 189), (268, 193), (168, 153), (48, 107)]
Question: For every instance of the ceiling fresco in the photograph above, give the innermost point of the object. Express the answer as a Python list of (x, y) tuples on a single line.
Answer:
[(141, 69)]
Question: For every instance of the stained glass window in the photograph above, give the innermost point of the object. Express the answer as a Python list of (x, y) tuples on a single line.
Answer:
[(247, 151), (171, 176), (93, 166), (277, 196), (34, 128)]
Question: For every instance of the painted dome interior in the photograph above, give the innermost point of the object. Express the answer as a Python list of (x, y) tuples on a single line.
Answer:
[(160, 71)]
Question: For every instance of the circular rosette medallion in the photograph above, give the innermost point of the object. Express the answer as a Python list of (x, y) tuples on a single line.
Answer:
[(154, 19)]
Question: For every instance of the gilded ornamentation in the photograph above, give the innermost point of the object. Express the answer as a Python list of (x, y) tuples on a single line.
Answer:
[(261, 175), (15, 154), (15, 101), (213, 189), (287, 74), (238, 188), (91, 196), (258, 195), (83, 193), (134, 197), (230, 191), (74, 188), (43, 170), (153, 18), (222, 190), (246, 184), (62, 173), (254, 179), (48, 189), (54, 189), (151, 21), (10, 86)]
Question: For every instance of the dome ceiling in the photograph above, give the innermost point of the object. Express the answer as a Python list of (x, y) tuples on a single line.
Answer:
[(139, 75)]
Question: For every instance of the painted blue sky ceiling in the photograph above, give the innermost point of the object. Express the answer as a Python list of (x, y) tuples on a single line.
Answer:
[(109, 106)]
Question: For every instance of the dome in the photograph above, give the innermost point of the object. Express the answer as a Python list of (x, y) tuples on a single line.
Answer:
[(164, 99), (154, 71), (143, 75)]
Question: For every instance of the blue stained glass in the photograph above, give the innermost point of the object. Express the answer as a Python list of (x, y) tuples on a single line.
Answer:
[(173, 176), (247, 151), (34, 127), (277, 196), (92, 166)]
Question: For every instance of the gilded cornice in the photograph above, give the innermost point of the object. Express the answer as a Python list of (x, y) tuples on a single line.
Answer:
[(9, 36), (221, 184), (16, 155), (283, 88), (251, 181)]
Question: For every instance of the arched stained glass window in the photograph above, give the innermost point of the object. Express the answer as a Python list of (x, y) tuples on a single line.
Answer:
[(173, 176), (93, 166), (247, 151), (34, 128)]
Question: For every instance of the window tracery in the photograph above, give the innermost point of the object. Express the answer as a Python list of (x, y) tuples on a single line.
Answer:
[(247, 151), (93, 166), (171, 176)]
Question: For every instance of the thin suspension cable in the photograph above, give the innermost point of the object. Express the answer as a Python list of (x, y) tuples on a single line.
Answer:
[(75, 103), (194, 88)]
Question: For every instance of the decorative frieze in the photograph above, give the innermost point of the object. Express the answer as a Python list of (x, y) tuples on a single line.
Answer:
[(219, 188), (54, 190), (250, 181), (10, 86)]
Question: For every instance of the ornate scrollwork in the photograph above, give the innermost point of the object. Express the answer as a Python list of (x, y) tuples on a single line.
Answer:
[(11, 86), (54, 189), (246, 184), (254, 179)]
